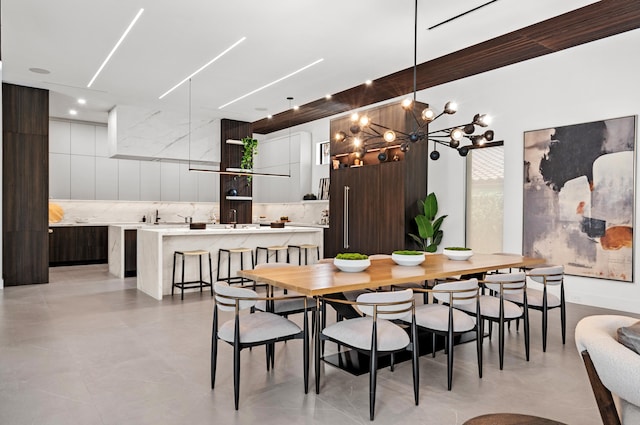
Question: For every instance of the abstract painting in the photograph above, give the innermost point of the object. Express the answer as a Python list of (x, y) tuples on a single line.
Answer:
[(579, 190)]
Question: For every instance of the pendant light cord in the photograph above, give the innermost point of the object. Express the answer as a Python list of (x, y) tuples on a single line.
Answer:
[(415, 50)]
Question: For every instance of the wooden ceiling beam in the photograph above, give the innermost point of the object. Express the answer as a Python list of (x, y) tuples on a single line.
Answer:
[(590, 23)]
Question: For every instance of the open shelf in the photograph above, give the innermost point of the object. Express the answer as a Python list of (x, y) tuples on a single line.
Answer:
[(234, 142), (239, 198)]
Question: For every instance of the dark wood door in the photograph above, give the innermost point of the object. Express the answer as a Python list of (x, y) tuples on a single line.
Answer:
[(363, 210), (334, 240), (390, 208)]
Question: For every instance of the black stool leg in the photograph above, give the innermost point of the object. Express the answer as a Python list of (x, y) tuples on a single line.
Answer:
[(173, 276), (201, 281), (210, 274), (182, 287)]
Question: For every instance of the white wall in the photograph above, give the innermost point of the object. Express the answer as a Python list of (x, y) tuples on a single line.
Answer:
[(80, 168), (586, 83)]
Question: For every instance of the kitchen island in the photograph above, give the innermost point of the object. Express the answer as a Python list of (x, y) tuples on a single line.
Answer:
[(156, 247)]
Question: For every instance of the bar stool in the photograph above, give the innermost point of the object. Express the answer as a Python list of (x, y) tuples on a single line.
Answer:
[(269, 249), (305, 248), (194, 283), (234, 279)]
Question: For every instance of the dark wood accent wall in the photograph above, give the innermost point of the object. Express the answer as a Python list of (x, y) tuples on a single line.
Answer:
[(382, 195), (25, 185), (230, 158), (592, 22)]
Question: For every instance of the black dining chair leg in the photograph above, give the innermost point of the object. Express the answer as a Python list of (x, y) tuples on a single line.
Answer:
[(267, 356), (517, 325), (316, 350), (479, 336), (305, 352), (449, 360), (501, 341), (414, 357), (433, 344), (393, 362), (373, 370), (236, 369), (526, 335), (214, 347)]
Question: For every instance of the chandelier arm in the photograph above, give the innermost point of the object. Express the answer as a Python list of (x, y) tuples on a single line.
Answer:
[(440, 142), (388, 128), (448, 128)]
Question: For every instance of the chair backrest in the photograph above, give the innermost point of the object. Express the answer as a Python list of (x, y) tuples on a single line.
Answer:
[(226, 296), (553, 274), (513, 283), (466, 292), (388, 312)]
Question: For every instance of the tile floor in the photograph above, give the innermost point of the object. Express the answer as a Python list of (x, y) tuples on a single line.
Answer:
[(88, 348)]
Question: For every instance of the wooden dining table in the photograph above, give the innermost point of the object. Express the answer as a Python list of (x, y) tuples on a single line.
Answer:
[(325, 278)]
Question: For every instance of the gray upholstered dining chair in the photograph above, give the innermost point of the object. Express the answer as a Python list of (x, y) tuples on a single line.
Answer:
[(375, 334), (497, 309), (250, 330), (445, 320), (288, 302)]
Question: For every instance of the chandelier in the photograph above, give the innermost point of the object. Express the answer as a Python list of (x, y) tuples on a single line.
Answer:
[(366, 134)]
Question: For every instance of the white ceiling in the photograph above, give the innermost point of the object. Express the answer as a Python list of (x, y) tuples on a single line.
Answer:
[(357, 40)]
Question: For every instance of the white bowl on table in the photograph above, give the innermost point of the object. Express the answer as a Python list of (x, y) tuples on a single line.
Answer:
[(351, 266), (408, 259), (458, 255)]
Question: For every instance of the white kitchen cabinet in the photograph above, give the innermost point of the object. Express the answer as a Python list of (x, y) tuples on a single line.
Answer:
[(208, 187), (106, 178), (59, 176), (169, 181), (59, 137), (128, 180), (83, 177), (102, 142), (83, 139), (188, 184), (149, 180)]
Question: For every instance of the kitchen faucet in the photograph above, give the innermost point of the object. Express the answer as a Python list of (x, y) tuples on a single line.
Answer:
[(234, 217), (157, 218)]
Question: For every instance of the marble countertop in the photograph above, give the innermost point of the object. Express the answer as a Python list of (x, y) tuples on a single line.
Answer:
[(248, 229), (141, 225)]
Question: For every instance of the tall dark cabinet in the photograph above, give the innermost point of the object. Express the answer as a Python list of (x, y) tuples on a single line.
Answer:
[(372, 204), (25, 185)]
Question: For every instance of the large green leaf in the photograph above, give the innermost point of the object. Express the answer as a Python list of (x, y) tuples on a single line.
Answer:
[(421, 242), (425, 228), (438, 223), (431, 206)]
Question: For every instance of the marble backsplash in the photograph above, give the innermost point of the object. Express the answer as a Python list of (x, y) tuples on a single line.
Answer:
[(77, 211)]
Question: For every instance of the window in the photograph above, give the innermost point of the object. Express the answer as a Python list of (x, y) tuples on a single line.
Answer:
[(485, 200), (323, 154)]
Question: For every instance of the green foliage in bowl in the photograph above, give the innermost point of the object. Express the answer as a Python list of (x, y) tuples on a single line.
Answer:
[(457, 248), (351, 256), (408, 252)]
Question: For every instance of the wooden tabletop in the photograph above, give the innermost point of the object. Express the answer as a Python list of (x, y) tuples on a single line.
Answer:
[(325, 278), (510, 419)]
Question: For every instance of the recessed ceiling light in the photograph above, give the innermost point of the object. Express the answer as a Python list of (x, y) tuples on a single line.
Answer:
[(82, 101), (116, 46), (73, 112), (40, 70), (271, 83), (203, 67), (296, 107), (368, 82), (269, 117), (327, 96)]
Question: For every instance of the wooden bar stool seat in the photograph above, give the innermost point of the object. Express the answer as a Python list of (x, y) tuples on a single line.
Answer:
[(305, 248), (238, 251), (272, 249), (194, 283)]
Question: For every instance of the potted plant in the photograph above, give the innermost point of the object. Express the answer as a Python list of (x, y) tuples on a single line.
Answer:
[(407, 257), (457, 253), (351, 262), (429, 234), (250, 150)]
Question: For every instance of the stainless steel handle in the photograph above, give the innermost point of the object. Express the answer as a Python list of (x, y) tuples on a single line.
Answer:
[(345, 229)]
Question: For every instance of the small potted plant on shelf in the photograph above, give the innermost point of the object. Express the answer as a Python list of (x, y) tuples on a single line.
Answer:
[(408, 257), (250, 150), (457, 253), (351, 262)]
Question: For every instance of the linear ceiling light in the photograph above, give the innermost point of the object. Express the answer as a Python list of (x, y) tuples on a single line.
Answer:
[(203, 67), (271, 83), (116, 46)]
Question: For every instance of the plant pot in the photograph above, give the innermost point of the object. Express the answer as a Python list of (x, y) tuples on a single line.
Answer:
[(458, 255), (351, 266)]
